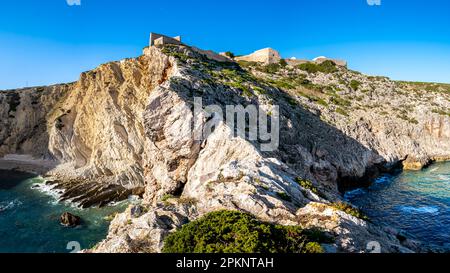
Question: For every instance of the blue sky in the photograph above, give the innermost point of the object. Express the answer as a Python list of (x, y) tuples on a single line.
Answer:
[(46, 42)]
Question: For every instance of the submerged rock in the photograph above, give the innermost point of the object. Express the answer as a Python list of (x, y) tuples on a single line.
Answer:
[(69, 220)]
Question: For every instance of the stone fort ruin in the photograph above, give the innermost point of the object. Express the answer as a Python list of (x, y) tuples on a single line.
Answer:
[(265, 56), (159, 39)]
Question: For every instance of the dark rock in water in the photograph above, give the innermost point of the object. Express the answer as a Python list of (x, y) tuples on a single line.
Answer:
[(69, 220), (401, 236)]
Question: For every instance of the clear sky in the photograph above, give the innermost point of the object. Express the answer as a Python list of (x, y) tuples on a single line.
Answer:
[(48, 41)]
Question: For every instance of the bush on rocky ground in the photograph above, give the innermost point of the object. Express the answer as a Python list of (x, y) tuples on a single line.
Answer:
[(236, 232)]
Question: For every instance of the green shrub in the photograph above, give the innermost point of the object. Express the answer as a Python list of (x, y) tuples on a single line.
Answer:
[(321, 102), (324, 67), (340, 101), (313, 247), (166, 197), (315, 99), (247, 64), (309, 67), (236, 232), (13, 99), (284, 196), (354, 84), (175, 52), (230, 54), (341, 111), (307, 185), (283, 63), (270, 68), (405, 117), (349, 209), (328, 66), (292, 102), (441, 112)]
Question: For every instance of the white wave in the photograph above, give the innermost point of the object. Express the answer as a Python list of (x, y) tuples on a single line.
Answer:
[(383, 179), (443, 177), (48, 190), (420, 210), (352, 194), (7, 205), (434, 169), (55, 193)]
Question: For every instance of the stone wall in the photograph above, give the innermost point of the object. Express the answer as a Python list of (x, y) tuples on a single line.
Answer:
[(320, 60), (295, 62), (266, 56), (159, 39)]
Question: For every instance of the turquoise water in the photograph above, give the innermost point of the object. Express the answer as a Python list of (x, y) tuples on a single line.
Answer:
[(417, 202), (29, 218)]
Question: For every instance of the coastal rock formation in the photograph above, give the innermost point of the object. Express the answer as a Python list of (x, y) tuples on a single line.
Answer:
[(130, 125), (69, 220)]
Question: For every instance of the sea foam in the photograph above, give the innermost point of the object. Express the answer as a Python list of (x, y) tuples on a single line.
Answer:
[(420, 210), (8, 205)]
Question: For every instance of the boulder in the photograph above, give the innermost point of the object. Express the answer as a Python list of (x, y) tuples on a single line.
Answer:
[(69, 220)]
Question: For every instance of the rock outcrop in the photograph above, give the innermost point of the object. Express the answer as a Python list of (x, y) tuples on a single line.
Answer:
[(69, 220), (130, 125)]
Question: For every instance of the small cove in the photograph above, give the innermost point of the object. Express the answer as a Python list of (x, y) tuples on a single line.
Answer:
[(29, 218), (416, 202)]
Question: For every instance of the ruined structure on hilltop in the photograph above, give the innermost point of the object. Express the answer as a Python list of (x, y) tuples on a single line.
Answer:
[(159, 39), (322, 59), (271, 56), (266, 56)]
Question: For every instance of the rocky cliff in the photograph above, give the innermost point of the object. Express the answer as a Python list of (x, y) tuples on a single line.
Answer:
[(129, 127)]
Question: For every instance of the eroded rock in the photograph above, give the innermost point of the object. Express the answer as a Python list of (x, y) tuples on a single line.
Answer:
[(69, 220)]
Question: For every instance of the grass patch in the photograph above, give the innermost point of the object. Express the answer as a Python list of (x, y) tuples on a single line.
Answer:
[(341, 111), (441, 112), (406, 118)]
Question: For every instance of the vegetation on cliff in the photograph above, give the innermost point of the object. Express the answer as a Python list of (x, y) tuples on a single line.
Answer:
[(349, 209), (324, 67), (236, 232)]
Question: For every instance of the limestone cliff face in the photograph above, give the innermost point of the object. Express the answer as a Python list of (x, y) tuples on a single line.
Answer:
[(131, 123), (99, 131), (93, 128), (23, 119)]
